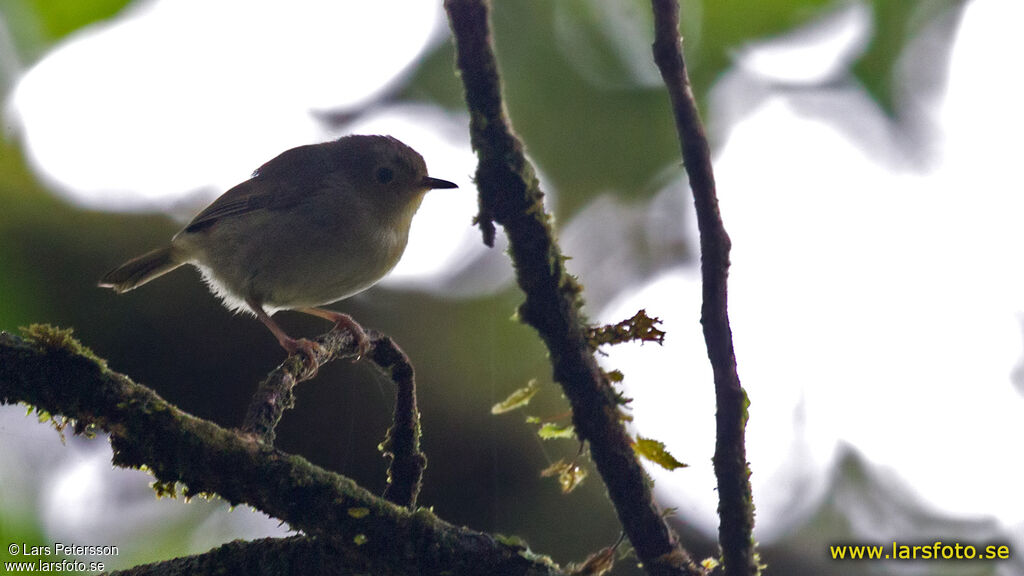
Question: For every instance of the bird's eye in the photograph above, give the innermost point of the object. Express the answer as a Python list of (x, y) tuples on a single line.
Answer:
[(385, 175)]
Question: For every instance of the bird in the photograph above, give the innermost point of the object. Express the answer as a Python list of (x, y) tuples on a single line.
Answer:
[(317, 224)]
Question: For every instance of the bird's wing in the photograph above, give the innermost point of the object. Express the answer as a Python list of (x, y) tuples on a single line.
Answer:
[(292, 177)]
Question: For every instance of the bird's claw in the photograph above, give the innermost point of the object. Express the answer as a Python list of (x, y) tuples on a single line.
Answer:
[(362, 345), (361, 340), (309, 351)]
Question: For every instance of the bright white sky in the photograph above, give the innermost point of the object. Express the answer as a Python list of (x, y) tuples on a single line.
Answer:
[(873, 305)]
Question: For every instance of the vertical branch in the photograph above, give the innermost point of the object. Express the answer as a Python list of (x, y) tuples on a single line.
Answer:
[(402, 445), (736, 507), (510, 196)]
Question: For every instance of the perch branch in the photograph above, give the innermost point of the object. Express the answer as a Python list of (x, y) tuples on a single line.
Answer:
[(275, 394), (402, 446), (54, 373), (736, 505), (510, 195)]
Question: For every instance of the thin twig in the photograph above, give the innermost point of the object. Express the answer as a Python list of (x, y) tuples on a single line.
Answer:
[(736, 506), (402, 445), (510, 196)]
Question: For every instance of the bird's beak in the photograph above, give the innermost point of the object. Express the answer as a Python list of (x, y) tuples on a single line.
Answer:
[(435, 183)]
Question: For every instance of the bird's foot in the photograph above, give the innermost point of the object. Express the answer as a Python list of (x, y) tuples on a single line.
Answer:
[(307, 348), (362, 341)]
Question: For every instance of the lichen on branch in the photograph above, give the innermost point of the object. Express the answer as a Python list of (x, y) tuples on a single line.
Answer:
[(640, 327)]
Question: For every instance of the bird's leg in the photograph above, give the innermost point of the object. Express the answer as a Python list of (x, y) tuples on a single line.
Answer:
[(291, 345), (343, 321)]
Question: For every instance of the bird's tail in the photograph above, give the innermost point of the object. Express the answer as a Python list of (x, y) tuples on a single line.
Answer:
[(138, 271)]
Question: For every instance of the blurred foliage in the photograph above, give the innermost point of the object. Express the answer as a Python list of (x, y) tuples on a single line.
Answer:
[(37, 24), (18, 303), (896, 25), (26, 535), (584, 95), (864, 505)]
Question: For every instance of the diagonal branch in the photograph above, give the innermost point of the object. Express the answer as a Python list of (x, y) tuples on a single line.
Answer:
[(293, 556), (510, 196), (736, 505), (53, 372)]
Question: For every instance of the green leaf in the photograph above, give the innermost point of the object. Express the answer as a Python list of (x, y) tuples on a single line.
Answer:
[(517, 399), (551, 431), (655, 451), (570, 475)]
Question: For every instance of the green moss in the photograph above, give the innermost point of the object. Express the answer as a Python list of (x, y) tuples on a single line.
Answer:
[(358, 513), (53, 338), (165, 489), (640, 327)]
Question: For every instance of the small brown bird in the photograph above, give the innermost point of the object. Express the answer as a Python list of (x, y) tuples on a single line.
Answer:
[(315, 225)]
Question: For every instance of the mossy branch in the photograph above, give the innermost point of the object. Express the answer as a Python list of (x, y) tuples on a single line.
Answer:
[(402, 445), (294, 556), (510, 195), (736, 505), (53, 372)]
